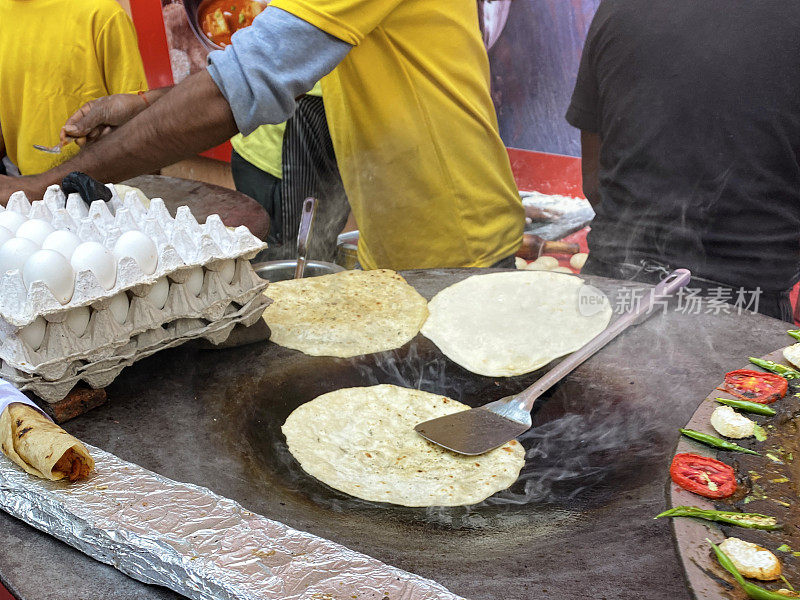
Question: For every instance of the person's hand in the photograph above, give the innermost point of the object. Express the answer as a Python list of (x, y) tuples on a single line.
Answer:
[(535, 213), (33, 186), (96, 118)]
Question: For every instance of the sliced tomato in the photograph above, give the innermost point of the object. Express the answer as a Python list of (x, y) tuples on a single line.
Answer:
[(702, 475), (764, 388)]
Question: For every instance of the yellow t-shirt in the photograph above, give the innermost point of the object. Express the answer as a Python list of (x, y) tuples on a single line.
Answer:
[(264, 147), (55, 55), (415, 133)]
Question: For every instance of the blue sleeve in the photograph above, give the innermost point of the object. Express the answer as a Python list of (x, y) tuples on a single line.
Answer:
[(269, 64)]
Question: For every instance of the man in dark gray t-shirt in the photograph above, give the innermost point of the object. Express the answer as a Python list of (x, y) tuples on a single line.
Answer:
[(690, 119)]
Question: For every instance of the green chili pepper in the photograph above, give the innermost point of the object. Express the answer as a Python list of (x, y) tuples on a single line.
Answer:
[(795, 333), (773, 367), (752, 590), (746, 520), (746, 406), (715, 442)]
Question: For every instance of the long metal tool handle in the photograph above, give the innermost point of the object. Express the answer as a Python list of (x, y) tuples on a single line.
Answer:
[(306, 221), (671, 284)]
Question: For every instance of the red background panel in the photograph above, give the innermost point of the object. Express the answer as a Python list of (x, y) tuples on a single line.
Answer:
[(148, 19)]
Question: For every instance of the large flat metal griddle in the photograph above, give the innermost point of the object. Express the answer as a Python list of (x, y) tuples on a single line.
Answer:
[(212, 418)]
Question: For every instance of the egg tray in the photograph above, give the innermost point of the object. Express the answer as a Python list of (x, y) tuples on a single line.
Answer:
[(106, 347), (101, 373), (182, 244), (62, 346)]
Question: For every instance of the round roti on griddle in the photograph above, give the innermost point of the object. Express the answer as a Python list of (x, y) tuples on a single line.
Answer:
[(361, 441), (345, 314), (507, 324)]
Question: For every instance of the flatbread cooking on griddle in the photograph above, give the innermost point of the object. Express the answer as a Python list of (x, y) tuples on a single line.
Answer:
[(361, 441), (41, 447), (507, 324), (345, 314)]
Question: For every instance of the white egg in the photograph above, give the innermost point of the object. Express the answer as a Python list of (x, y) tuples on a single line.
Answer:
[(227, 270), (11, 220), (54, 270), (119, 306), (35, 230), (14, 253), (139, 247), (158, 293), (62, 241), (5, 235), (78, 319), (93, 256), (33, 334), (195, 281)]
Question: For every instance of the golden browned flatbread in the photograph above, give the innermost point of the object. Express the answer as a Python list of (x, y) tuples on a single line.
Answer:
[(361, 441), (345, 314), (41, 447)]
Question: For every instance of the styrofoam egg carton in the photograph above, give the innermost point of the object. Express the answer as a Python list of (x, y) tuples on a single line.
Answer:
[(202, 286), (182, 243), (103, 372)]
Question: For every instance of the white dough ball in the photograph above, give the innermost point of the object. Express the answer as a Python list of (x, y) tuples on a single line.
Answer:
[(158, 293), (520, 263), (11, 220), (119, 307), (140, 248), (545, 263), (33, 334), (35, 230), (54, 270), (5, 235), (577, 261), (62, 241), (562, 270), (194, 283), (14, 253), (93, 256), (78, 319), (227, 270)]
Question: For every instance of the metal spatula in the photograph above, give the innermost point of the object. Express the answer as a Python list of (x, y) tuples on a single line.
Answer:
[(482, 429), (303, 233)]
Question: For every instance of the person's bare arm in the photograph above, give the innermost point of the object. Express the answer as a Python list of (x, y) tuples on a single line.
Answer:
[(590, 165), (99, 117), (190, 118)]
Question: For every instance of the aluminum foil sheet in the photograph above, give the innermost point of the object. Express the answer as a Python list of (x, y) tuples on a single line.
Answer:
[(195, 542)]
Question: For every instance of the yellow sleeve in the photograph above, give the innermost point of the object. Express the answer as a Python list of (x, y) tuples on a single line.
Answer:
[(349, 20), (118, 53)]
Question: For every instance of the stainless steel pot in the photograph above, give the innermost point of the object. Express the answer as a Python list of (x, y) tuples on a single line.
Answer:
[(281, 270)]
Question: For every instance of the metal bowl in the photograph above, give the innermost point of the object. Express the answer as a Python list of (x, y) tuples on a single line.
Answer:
[(192, 7), (281, 270)]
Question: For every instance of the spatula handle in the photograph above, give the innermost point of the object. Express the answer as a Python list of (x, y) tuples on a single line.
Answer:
[(303, 233), (671, 284)]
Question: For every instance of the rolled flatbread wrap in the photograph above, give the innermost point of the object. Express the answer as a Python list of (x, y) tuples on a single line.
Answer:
[(40, 446)]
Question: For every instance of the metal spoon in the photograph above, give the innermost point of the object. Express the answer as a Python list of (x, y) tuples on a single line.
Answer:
[(49, 149), (306, 221)]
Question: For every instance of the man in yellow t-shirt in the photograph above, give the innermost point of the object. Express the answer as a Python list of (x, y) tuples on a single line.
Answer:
[(408, 104), (55, 55)]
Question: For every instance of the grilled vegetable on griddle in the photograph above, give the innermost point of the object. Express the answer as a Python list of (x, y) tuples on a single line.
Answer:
[(747, 406), (773, 367), (764, 388), (727, 422), (746, 520), (751, 589), (714, 442), (702, 475)]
